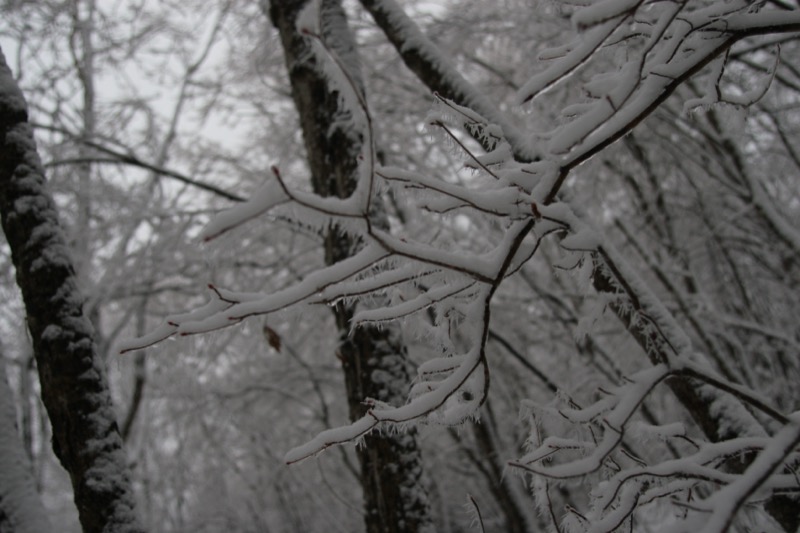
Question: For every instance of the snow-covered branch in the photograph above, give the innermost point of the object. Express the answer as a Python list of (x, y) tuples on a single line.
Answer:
[(628, 57)]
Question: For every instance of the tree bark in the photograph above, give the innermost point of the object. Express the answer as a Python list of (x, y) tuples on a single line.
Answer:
[(73, 378), (373, 360)]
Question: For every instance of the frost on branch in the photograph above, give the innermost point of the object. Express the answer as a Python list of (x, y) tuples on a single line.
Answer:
[(629, 57), (665, 44)]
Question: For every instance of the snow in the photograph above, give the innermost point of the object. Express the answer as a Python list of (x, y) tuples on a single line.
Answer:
[(651, 305), (423, 301), (642, 431), (414, 40), (308, 21), (480, 268), (37, 242), (585, 239), (724, 504), (378, 283), (579, 52), (711, 95), (410, 277), (771, 21), (21, 509), (438, 365), (626, 502), (600, 12), (219, 313), (437, 400), (731, 416), (331, 437), (269, 196), (502, 202)]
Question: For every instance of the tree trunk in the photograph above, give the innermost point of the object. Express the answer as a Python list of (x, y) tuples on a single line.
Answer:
[(73, 377), (373, 360)]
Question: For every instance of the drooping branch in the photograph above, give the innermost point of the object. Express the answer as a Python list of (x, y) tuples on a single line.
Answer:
[(128, 158)]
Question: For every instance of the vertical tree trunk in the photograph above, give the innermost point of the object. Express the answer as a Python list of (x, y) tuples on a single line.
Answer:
[(73, 378), (83, 53), (373, 360)]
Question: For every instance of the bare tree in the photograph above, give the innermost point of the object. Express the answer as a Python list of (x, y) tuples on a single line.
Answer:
[(631, 57), (373, 359), (72, 375)]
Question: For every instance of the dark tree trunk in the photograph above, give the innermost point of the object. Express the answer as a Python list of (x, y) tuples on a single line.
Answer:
[(72, 375), (395, 497)]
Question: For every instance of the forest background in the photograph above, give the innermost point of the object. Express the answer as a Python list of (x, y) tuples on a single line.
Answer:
[(568, 233)]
